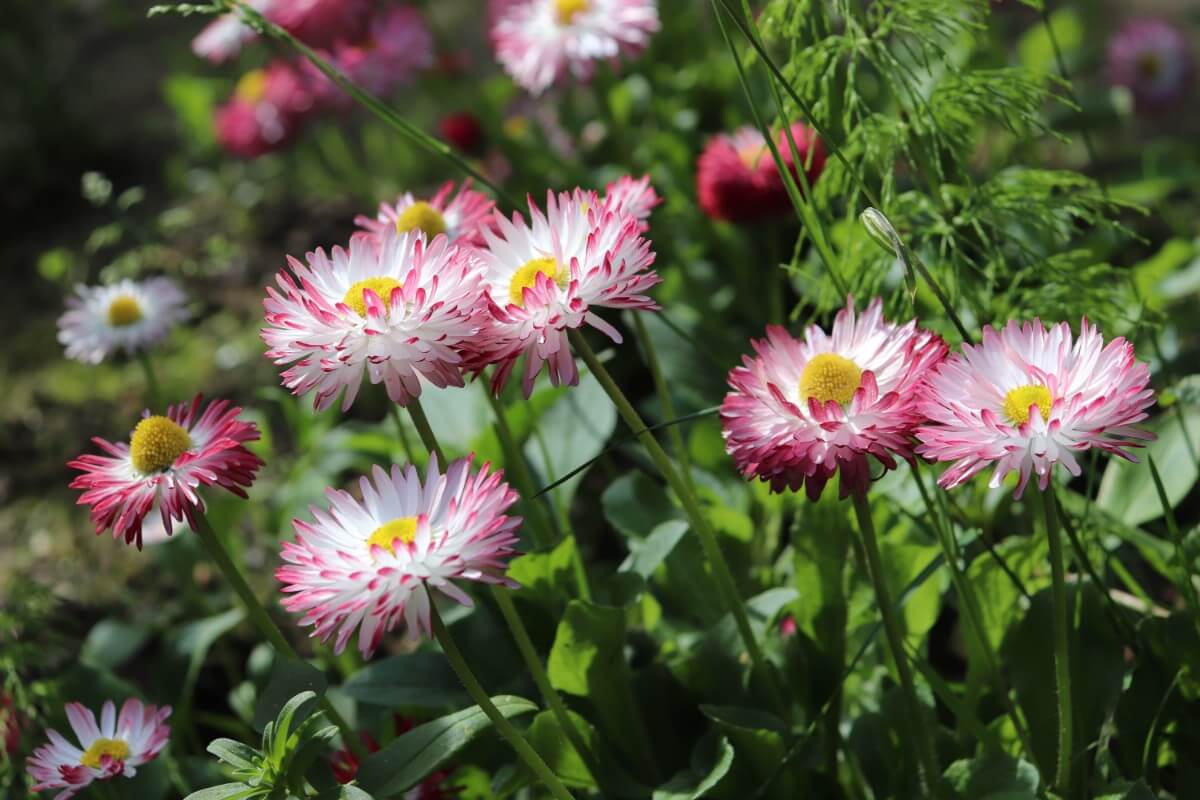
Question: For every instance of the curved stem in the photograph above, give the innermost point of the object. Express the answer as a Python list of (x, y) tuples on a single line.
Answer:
[(922, 739), (476, 690), (262, 620), (691, 506), (664, 394), (538, 672), (402, 432), (151, 380), (425, 431), (1062, 640)]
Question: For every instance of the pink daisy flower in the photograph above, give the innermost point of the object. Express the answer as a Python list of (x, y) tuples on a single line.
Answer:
[(124, 317), (322, 23), (1153, 59), (225, 36), (633, 197), (542, 279), (1029, 398), (539, 42), (365, 564), (396, 308), (460, 213), (115, 747), (166, 460), (737, 180), (800, 411), (268, 108), (398, 45)]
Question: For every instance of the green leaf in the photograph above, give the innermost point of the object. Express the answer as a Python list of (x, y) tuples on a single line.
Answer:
[(700, 778), (234, 753), (1127, 491), (413, 680), (636, 505), (1133, 791), (410, 758), (758, 739), (548, 739), (226, 791), (547, 577), (994, 777), (111, 642), (647, 555), (289, 678)]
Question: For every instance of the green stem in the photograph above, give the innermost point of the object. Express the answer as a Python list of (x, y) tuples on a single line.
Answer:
[(262, 620), (1062, 640), (151, 380), (691, 506), (922, 739), (664, 394), (402, 432), (538, 672), (425, 431), (476, 690)]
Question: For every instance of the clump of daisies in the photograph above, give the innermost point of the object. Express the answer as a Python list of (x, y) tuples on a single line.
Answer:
[(801, 411), (548, 276), (1029, 398), (396, 308), (125, 317), (167, 458), (365, 564), (112, 748), (737, 179), (542, 42)]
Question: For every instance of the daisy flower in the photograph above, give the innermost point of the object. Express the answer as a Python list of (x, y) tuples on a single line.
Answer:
[(538, 42), (225, 36), (365, 564), (115, 747), (397, 46), (542, 279), (1151, 58), (322, 23), (268, 108), (460, 213), (633, 197), (128, 316), (396, 308), (462, 130), (1029, 398), (737, 180), (166, 459), (800, 411)]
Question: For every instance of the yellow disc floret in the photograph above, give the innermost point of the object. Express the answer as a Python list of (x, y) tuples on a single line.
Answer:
[(421, 216), (251, 87), (752, 155), (526, 277), (124, 310), (565, 10), (402, 528), (1018, 402), (156, 443), (113, 748), (380, 285), (828, 376)]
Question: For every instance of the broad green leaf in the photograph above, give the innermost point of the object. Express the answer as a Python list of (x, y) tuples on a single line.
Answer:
[(700, 778), (412, 680), (636, 505), (226, 791), (547, 737), (994, 777), (234, 753), (758, 739), (1133, 791), (289, 677), (1127, 491), (647, 555), (410, 758), (547, 577), (111, 642)]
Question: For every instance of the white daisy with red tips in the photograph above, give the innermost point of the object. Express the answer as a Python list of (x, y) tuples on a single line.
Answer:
[(540, 42), (634, 197), (460, 213), (544, 278), (127, 317), (113, 748), (1031, 397), (395, 309), (165, 461), (365, 564), (802, 410)]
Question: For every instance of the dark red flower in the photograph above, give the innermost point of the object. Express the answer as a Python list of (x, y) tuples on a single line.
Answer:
[(462, 130), (737, 179)]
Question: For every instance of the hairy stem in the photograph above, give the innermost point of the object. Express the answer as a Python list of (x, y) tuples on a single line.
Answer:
[(1062, 639)]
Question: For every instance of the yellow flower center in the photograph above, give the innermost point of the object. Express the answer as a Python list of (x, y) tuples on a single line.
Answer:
[(565, 10), (113, 748), (124, 310), (752, 155), (1018, 401), (380, 285), (156, 443), (420, 215), (828, 376), (526, 277), (402, 528), (251, 87)]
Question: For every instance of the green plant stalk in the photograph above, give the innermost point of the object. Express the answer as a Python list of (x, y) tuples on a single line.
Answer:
[(922, 738), (538, 672), (476, 690), (691, 505), (1185, 564), (664, 395), (365, 99), (152, 388), (417, 413), (262, 620), (544, 529), (401, 432), (1062, 639)]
